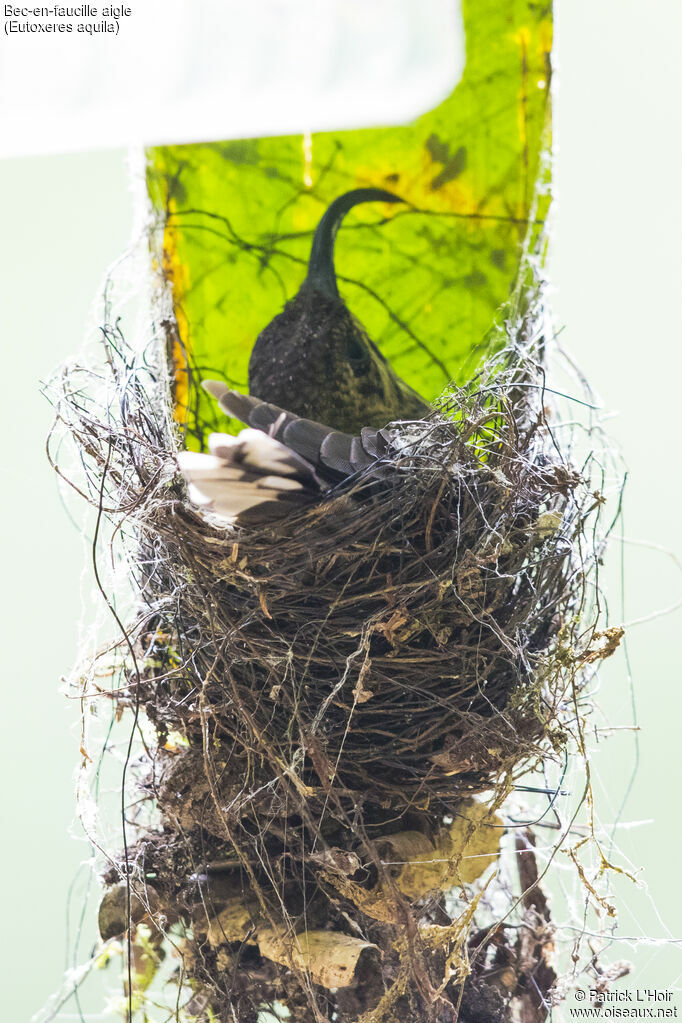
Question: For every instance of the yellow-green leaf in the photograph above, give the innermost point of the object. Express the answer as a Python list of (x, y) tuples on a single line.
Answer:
[(235, 219)]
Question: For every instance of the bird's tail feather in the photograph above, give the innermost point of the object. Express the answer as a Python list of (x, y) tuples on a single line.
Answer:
[(335, 455), (278, 465), (251, 479)]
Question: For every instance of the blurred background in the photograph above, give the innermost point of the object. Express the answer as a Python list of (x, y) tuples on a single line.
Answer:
[(615, 267)]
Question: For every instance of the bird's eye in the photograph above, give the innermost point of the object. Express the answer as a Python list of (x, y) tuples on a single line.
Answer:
[(357, 356)]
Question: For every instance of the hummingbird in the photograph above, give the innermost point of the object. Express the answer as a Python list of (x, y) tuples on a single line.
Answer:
[(316, 360), (321, 403)]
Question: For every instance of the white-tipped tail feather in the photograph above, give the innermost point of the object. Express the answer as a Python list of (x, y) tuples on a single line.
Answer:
[(251, 478), (279, 465)]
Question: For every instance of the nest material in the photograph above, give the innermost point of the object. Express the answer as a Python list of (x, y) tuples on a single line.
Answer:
[(389, 637), (355, 672)]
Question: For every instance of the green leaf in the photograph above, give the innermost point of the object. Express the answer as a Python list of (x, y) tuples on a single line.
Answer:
[(235, 219)]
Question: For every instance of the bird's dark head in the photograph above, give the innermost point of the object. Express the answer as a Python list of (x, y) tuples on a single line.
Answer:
[(321, 276)]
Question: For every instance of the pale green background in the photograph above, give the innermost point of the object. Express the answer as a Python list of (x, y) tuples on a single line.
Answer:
[(617, 268)]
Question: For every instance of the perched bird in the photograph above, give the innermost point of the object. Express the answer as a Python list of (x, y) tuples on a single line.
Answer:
[(280, 464), (316, 360), (322, 396)]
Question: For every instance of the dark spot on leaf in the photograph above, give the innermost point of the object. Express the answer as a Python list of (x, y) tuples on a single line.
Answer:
[(498, 257), (244, 151), (176, 189), (477, 279), (438, 150), (453, 165)]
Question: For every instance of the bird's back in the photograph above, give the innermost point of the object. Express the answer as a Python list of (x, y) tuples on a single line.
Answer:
[(317, 361)]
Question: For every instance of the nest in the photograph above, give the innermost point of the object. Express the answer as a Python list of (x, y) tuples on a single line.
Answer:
[(339, 681), (389, 637)]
